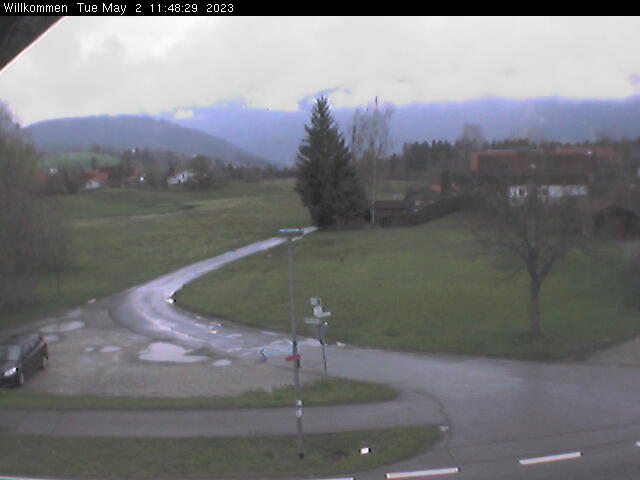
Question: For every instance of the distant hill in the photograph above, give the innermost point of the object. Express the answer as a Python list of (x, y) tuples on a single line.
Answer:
[(277, 134), (130, 131)]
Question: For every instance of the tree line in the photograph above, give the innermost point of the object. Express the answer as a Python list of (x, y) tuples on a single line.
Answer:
[(34, 237)]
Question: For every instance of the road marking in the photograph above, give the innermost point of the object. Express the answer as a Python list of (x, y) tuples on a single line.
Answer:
[(637, 444), (550, 458), (423, 473), (340, 478), (19, 478)]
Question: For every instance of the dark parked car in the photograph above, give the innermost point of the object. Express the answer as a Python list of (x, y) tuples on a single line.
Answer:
[(21, 356)]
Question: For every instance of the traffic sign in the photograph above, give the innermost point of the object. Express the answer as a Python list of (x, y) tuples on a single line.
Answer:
[(319, 331)]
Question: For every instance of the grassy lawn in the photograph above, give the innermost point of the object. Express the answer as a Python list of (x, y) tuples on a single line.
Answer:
[(122, 237), (234, 457), (423, 289), (332, 391)]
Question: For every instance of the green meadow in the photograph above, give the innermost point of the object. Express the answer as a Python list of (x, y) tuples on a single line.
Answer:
[(122, 237), (426, 289)]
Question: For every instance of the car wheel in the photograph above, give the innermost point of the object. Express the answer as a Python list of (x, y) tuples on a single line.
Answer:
[(44, 363), (20, 378)]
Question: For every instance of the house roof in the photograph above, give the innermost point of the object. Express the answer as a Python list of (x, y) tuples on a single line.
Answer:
[(98, 176), (569, 162), (603, 151)]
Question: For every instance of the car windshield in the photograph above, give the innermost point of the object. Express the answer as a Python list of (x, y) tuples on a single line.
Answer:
[(9, 353), (321, 247)]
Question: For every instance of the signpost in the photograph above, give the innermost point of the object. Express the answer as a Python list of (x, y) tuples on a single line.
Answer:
[(290, 234), (319, 327)]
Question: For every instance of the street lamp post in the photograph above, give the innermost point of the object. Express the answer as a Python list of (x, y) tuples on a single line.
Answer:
[(290, 234)]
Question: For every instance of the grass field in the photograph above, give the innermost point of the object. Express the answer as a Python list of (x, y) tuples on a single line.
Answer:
[(424, 289), (199, 457), (331, 391), (122, 237)]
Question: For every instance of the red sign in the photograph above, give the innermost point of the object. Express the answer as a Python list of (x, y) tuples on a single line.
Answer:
[(292, 358)]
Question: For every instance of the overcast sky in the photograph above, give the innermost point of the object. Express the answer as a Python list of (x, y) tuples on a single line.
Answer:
[(112, 65)]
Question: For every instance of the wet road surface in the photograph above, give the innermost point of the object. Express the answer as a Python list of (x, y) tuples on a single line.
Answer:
[(496, 412)]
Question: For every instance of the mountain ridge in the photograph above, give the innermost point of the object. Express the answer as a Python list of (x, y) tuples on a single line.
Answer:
[(277, 134), (134, 131)]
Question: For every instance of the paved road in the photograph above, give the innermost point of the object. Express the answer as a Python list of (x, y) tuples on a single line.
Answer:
[(498, 412)]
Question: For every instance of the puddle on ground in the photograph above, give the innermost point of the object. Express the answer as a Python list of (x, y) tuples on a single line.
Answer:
[(51, 338), (272, 334), (222, 363), (63, 326), (233, 335), (168, 352), (109, 349), (282, 346)]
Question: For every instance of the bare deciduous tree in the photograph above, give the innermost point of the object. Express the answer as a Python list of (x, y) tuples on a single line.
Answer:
[(532, 234), (370, 144)]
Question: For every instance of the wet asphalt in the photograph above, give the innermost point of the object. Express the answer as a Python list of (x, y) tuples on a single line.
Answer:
[(495, 412)]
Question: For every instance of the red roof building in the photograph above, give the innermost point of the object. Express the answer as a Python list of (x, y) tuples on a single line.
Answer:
[(562, 165)]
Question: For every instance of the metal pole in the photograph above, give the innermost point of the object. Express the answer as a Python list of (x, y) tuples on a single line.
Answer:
[(294, 351), (324, 358)]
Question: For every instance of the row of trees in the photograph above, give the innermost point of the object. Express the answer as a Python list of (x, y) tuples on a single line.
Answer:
[(33, 234), (335, 182), (369, 155)]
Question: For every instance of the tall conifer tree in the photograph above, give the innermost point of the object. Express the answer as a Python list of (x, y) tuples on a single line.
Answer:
[(327, 181)]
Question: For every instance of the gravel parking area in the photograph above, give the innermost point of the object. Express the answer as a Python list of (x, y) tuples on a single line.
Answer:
[(92, 355)]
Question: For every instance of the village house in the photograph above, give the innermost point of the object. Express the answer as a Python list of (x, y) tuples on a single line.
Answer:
[(568, 171), (95, 179), (180, 177), (558, 173)]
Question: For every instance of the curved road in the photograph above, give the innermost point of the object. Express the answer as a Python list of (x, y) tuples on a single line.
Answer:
[(503, 419)]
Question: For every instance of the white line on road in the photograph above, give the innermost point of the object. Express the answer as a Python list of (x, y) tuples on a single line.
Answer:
[(341, 478), (637, 444), (2, 477), (423, 473), (550, 458)]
